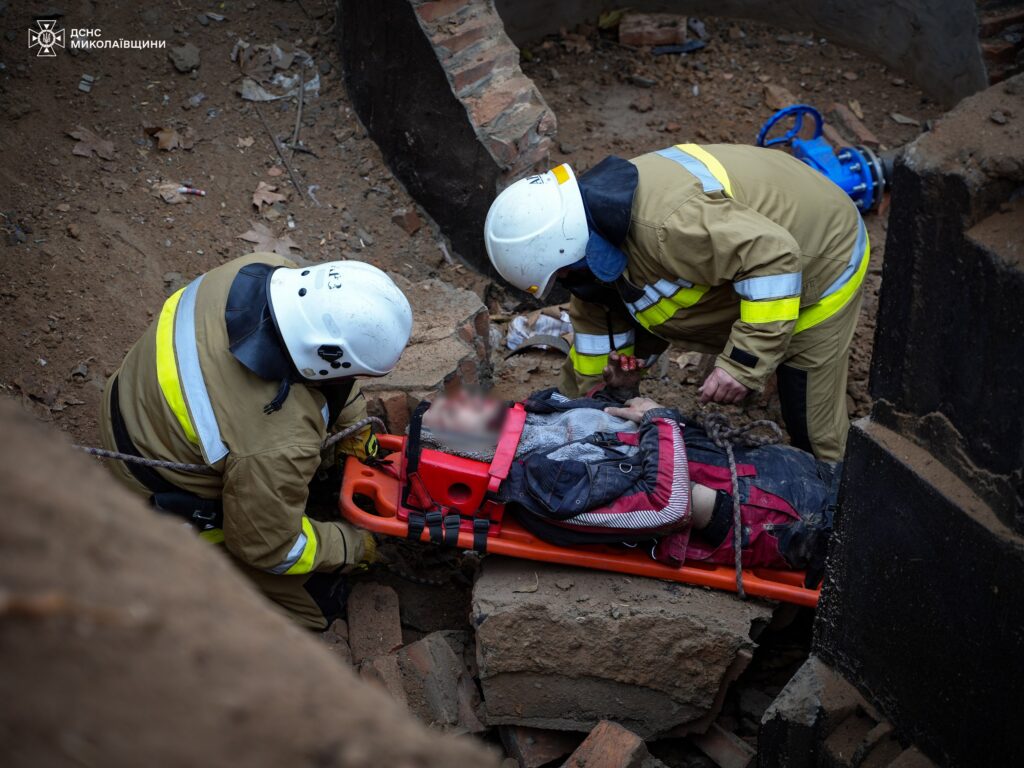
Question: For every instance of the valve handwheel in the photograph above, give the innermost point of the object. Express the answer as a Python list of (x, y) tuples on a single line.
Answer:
[(797, 112)]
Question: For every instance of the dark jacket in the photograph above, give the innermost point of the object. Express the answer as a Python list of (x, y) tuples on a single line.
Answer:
[(787, 496)]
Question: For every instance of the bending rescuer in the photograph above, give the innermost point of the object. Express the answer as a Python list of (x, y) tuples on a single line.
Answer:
[(734, 250), (245, 371)]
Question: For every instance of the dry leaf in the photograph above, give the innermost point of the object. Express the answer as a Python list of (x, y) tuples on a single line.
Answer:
[(274, 170), (168, 139), (266, 194), (247, 141), (89, 143), (265, 240), (168, 192)]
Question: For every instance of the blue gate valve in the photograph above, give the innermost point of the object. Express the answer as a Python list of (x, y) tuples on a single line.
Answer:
[(856, 170)]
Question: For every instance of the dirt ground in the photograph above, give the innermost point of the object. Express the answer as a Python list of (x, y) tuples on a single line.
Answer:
[(90, 253)]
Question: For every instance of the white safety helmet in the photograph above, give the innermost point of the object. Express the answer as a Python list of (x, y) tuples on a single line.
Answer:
[(536, 227), (340, 319)]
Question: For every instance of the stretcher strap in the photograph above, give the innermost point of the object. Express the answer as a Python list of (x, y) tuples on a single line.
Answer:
[(505, 453)]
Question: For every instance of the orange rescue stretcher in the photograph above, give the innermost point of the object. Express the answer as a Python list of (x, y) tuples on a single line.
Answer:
[(466, 487)]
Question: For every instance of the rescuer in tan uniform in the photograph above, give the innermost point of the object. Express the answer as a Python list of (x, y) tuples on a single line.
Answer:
[(739, 251), (245, 372)]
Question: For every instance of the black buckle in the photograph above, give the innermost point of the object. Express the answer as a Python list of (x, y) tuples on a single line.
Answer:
[(416, 523), (481, 527), (452, 523), (434, 520)]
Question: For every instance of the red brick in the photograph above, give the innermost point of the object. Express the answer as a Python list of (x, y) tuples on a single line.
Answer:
[(430, 11), (777, 97), (496, 60), (384, 672), (652, 29), (336, 640), (499, 99), (726, 749), (375, 628), (408, 220), (465, 36), (438, 686), (534, 747), (851, 125), (609, 745)]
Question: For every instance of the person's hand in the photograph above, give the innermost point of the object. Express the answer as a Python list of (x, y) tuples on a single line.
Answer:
[(623, 372), (635, 409), (720, 387)]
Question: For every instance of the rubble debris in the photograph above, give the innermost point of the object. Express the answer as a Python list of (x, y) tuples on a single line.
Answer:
[(903, 119), (439, 688), (86, 83), (609, 745), (336, 640), (568, 658), (848, 123), (450, 343), (408, 220), (726, 749), (549, 321), (375, 628), (536, 747), (384, 672), (649, 29), (185, 58), (90, 144)]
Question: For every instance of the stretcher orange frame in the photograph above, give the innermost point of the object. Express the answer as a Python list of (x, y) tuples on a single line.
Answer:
[(383, 489)]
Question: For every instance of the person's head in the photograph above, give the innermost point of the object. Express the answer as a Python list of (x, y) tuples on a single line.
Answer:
[(536, 229), (340, 319), (464, 413)]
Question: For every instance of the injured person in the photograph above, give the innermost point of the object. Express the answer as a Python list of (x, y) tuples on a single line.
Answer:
[(596, 470)]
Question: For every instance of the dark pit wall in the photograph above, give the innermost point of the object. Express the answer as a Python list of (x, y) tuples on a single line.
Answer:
[(933, 43)]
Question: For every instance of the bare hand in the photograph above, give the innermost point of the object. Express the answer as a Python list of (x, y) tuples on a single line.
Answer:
[(720, 387), (623, 372), (635, 409)]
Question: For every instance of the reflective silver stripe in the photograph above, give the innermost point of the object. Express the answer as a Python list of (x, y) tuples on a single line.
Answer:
[(292, 557), (855, 260), (769, 287), (190, 373), (694, 166), (662, 289), (326, 412), (597, 344)]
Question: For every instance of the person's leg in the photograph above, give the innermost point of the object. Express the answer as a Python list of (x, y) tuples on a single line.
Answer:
[(812, 384), (312, 600)]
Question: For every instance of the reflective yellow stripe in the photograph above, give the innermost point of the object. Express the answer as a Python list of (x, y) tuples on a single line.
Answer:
[(214, 535), (770, 311), (824, 309), (561, 174), (167, 366), (593, 365), (715, 167), (305, 562), (664, 309)]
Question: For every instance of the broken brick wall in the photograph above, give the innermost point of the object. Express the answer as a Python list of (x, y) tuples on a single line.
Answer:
[(438, 86), (932, 42)]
